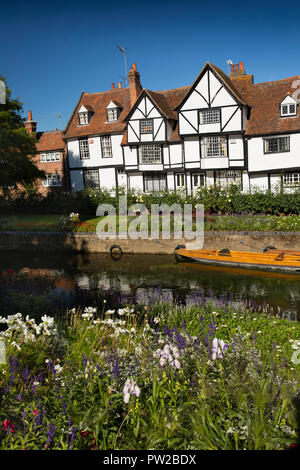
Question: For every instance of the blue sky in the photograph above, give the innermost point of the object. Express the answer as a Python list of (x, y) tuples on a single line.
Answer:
[(52, 51)]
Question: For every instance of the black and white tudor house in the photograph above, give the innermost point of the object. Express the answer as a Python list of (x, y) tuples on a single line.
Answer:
[(220, 130)]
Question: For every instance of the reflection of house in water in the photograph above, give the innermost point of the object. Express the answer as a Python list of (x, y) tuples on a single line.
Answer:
[(150, 295), (64, 287), (104, 283)]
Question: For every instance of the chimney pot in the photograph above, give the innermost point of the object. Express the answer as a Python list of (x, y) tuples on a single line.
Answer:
[(120, 84), (30, 125), (237, 70), (112, 86), (135, 87)]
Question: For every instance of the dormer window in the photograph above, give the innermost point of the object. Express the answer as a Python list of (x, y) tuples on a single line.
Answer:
[(288, 107), (113, 110), (83, 118), (84, 115), (112, 114), (288, 110)]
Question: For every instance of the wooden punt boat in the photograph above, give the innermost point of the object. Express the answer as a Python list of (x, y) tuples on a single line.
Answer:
[(279, 261), (270, 249)]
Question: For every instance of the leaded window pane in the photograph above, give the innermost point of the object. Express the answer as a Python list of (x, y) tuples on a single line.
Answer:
[(150, 154), (84, 149)]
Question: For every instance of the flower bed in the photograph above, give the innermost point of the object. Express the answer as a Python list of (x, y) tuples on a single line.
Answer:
[(160, 377)]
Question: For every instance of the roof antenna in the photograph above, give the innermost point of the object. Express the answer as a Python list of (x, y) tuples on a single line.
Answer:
[(124, 52), (229, 63), (59, 116)]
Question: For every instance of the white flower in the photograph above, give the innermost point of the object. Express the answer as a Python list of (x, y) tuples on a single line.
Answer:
[(16, 345), (109, 312), (47, 321), (87, 315), (58, 368), (169, 354), (130, 388), (218, 348)]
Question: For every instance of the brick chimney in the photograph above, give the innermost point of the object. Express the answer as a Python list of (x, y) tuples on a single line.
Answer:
[(30, 125), (238, 74), (135, 86), (237, 70)]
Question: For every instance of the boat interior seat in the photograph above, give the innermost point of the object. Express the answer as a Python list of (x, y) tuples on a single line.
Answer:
[(224, 252)]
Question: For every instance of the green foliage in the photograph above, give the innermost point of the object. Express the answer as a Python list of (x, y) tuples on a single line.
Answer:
[(216, 200), (73, 395), (17, 148)]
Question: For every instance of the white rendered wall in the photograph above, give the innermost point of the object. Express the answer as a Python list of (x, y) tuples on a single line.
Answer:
[(107, 178), (259, 161), (135, 181), (175, 155), (259, 182)]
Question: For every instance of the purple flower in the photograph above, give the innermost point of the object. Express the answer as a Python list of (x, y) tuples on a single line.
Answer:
[(72, 437), (50, 433)]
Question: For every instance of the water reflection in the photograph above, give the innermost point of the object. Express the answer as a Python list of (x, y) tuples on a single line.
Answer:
[(147, 278)]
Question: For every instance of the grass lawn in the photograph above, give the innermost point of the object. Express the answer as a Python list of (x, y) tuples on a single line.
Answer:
[(268, 223), (30, 223), (50, 223)]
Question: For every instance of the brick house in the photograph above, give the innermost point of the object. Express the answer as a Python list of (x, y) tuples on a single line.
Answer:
[(50, 157)]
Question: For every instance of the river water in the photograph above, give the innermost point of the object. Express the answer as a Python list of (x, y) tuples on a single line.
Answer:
[(147, 278)]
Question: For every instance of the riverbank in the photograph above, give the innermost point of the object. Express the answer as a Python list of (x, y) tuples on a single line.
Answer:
[(158, 377), (89, 242)]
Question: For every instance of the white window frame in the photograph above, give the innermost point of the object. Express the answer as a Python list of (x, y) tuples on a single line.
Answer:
[(291, 179), (209, 116), (150, 154), (146, 126), (152, 179), (94, 173), (47, 157), (201, 177), (229, 177), (112, 114), (289, 112), (214, 146), (84, 149), (282, 139), (83, 117), (106, 147), (52, 180), (180, 180)]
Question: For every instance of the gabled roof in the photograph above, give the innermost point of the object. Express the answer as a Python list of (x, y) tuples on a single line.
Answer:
[(50, 140), (222, 76), (165, 101), (264, 100), (98, 123)]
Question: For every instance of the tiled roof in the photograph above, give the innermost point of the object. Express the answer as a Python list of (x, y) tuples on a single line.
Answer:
[(264, 100), (166, 101), (229, 83), (98, 123), (50, 140)]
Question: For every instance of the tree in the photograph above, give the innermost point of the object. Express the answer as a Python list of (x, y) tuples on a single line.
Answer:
[(17, 147)]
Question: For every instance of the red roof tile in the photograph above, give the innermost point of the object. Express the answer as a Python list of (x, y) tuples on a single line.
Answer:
[(98, 123), (50, 140), (264, 100)]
